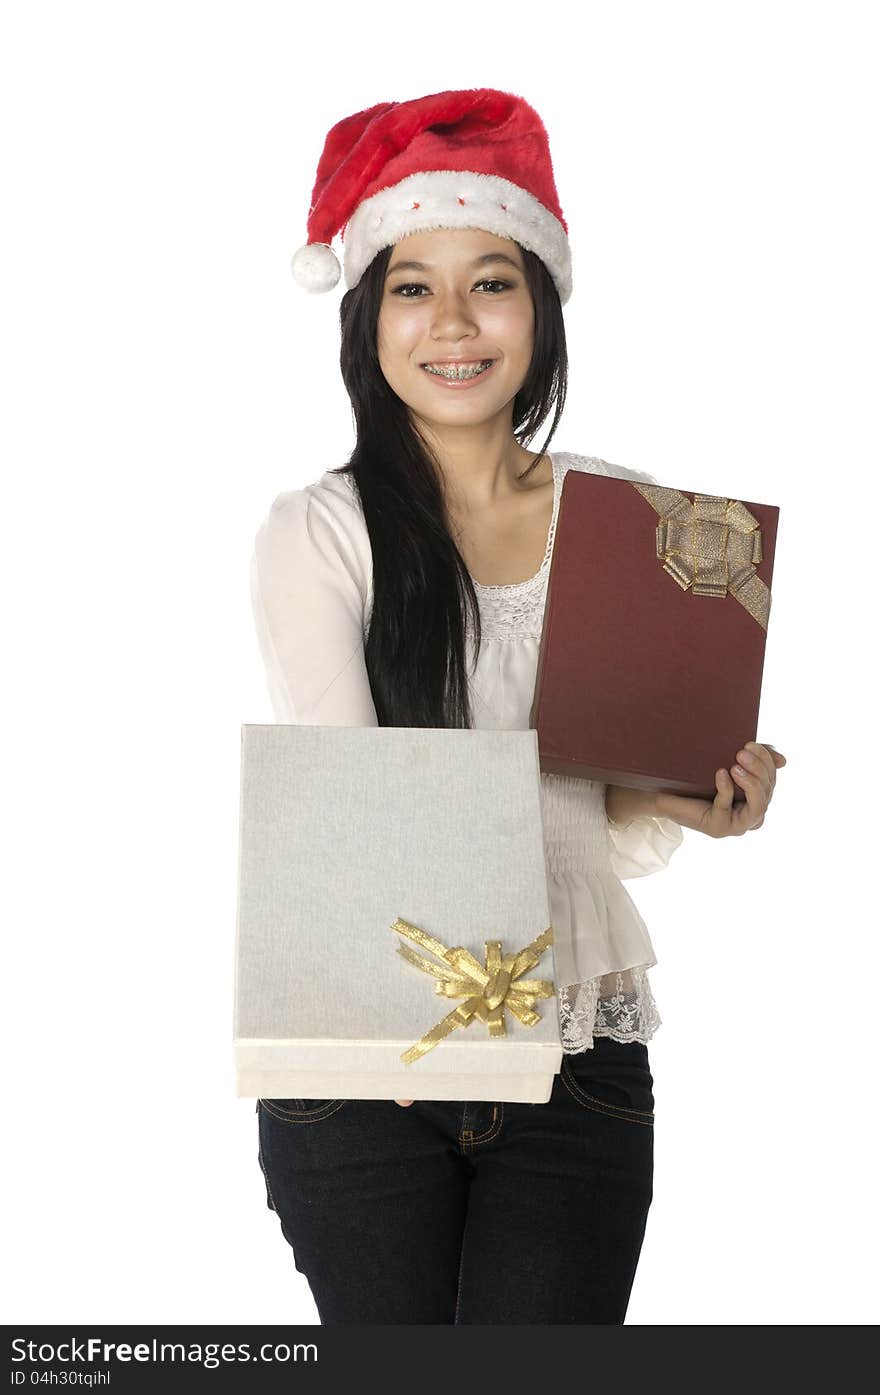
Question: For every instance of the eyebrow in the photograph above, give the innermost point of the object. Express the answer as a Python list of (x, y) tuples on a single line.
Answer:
[(478, 261)]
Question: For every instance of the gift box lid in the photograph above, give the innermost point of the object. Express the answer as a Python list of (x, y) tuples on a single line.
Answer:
[(654, 633), (347, 831)]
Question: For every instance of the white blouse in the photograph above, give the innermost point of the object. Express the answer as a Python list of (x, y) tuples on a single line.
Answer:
[(311, 592)]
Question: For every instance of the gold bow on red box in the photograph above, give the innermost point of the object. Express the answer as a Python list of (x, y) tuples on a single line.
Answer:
[(712, 545)]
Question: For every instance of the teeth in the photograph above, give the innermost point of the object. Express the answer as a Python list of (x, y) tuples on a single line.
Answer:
[(458, 371)]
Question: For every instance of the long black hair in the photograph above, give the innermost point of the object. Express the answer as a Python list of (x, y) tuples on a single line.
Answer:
[(415, 648)]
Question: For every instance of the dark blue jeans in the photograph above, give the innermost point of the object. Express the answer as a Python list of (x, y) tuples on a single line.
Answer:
[(462, 1212)]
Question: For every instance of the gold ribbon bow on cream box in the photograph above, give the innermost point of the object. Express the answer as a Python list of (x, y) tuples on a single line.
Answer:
[(486, 988)]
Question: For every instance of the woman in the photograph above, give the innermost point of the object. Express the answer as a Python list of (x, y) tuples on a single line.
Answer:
[(407, 589)]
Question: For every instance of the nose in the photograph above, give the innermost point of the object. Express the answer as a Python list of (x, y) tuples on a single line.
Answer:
[(452, 317)]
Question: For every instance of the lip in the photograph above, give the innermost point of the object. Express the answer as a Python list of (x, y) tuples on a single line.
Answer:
[(445, 362), (458, 384)]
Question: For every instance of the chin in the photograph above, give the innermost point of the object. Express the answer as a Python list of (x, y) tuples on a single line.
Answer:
[(475, 413)]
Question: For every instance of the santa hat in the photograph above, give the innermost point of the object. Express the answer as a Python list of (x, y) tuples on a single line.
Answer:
[(478, 158)]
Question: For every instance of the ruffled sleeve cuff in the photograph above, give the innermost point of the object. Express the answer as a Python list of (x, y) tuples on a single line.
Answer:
[(643, 845)]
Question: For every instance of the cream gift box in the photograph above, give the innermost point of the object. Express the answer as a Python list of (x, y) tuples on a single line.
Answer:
[(347, 831)]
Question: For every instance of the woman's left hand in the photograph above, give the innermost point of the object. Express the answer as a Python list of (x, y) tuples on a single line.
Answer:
[(721, 818)]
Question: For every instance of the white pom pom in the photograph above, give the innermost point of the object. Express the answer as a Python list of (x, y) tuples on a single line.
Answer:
[(316, 267)]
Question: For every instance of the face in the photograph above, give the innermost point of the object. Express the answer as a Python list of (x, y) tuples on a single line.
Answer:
[(463, 303)]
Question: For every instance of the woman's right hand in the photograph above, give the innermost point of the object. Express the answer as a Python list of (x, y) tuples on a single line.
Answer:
[(403, 1102)]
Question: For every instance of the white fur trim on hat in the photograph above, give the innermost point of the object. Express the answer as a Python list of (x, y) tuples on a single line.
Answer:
[(456, 199)]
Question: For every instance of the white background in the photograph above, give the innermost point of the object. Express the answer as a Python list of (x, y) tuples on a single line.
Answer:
[(164, 378)]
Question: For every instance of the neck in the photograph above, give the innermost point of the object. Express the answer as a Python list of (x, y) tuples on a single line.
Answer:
[(479, 465)]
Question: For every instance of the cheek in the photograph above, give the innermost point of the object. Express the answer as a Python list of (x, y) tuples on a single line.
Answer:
[(398, 335), (396, 345), (513, 328), (383, 339)]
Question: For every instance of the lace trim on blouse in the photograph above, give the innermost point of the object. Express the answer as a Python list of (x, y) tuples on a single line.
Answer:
[(619, 1005), (513, 609)]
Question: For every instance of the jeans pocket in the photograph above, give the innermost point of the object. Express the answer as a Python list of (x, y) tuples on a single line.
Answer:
[(613, 1078), (301, 1111)]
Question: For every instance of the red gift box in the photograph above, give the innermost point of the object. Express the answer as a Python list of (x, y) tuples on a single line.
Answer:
[(652, 648)]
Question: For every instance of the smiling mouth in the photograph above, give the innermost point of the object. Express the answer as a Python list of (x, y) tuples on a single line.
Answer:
[(457, 372)]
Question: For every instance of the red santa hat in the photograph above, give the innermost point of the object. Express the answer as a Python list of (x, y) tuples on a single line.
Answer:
[(477, 158)]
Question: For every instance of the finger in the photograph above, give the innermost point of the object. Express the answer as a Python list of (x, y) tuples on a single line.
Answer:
[(403, 1102), (778, 757), (718, 821), (764, 755), (752, 780), (758, 767), (725, 788), (723, 812), (751, 813)]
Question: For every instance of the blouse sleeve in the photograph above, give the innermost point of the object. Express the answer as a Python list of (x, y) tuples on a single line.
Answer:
[(643, 845), (647, 842), (308, 582)]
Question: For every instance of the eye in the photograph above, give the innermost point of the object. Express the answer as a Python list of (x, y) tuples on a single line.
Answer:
[(418, 286), (410, 286)]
